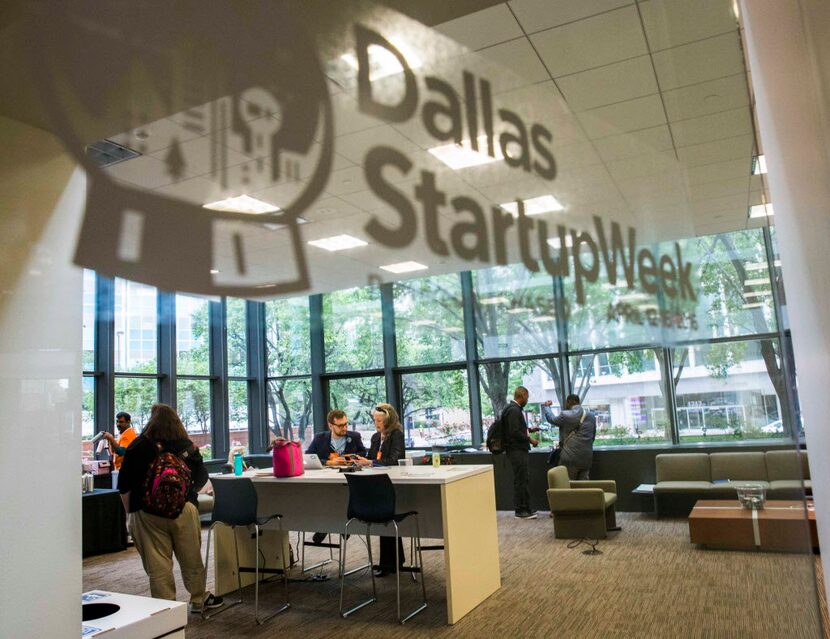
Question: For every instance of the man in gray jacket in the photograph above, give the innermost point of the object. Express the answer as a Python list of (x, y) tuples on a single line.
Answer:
[(577, 431)]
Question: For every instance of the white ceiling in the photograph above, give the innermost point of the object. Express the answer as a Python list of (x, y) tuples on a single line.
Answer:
[(649, 108)]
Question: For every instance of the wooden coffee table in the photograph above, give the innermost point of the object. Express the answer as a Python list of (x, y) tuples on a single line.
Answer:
[(779, 526)]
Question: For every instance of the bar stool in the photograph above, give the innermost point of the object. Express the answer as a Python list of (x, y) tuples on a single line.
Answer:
[(235, 504), (372, 501)]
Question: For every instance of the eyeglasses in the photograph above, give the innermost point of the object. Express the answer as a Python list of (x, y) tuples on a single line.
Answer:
[(342, 425)]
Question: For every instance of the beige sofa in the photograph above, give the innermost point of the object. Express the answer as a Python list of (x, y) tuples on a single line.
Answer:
[(683, 478)]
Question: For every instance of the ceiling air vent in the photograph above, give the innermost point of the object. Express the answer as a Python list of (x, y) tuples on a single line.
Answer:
[(105, 152)]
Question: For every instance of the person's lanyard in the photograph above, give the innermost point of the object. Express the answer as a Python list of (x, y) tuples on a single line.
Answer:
[(379, 447)]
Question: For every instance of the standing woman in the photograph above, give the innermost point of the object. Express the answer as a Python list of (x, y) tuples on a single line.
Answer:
[(387, 447), (156, 537)]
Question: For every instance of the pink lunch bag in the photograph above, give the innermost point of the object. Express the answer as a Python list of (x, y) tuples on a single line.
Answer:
[(288, 459)]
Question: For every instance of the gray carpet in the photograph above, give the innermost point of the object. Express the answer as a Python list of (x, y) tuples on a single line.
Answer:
[(649, 582)]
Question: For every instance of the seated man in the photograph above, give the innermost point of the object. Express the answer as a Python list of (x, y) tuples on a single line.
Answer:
[(338, 441)]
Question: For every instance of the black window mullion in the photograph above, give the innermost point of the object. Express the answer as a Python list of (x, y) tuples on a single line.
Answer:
[(218, 349), (257, 368), (104, 353), (471, 352), (390, 350), (166, 309), (319, 386)]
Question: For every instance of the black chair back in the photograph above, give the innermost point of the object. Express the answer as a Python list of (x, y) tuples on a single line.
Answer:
[(371, 498), (234, 501)]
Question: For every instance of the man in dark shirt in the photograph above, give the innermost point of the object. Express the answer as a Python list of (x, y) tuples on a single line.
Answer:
[(338, 439), (517, 445)]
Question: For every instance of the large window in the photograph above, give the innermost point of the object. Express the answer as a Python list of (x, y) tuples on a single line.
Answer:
[(238, 413), (193, 400), (287, 337), (135, 395), (429, 320), (192, 336), (89, 321), (729, 391), (237, 336), (289, 409), (436, 409), (627, 393), (357, 396), (353, 329), (136, 337)]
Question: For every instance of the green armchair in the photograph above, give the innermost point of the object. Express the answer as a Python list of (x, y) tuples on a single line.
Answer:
[(581, 508)]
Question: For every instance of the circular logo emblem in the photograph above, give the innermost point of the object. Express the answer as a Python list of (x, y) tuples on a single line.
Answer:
[(221, 105)]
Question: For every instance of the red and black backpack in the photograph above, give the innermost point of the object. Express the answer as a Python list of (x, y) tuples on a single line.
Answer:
[(167, 484)]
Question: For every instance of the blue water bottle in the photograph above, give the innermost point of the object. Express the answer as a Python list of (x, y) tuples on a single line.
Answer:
[(237, 463)]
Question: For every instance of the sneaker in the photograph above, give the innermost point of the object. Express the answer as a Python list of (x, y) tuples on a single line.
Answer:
[(525, 515), (212, 601)]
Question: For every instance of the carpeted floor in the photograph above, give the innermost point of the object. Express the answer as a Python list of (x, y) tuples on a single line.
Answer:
[(649, 582)]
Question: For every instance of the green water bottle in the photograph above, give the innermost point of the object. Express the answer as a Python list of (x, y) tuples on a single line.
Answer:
[(237, 463)]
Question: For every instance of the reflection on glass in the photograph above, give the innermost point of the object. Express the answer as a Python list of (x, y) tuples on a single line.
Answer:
[(626, 391), (729, 391), (192, 336), (237, 338), (135, 327), (135, 395), (89, 320), (238, 413), (514, 312), (429, 320), (289, 409), (288, 337), (353, 329), (498, 380), (436, 409), (357, 396)]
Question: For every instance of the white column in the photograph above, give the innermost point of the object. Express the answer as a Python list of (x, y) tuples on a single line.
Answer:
[(788, 57), (41, 199)]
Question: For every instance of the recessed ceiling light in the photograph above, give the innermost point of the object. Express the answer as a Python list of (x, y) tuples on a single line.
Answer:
[(542, 318), (634, 297), (493, 300), (423, 322), (453, 329), (760, 266), (761, 210), (758, 294), (338, 243), (556, 243), (753, 305), (759, 165), (214, 271), (382, 62), (242, 204), (535, 206), (758, 281), (517, 310), (404, 267), (461, 156)]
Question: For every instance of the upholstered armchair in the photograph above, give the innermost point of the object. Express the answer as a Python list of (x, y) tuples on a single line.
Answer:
[(581, 508)]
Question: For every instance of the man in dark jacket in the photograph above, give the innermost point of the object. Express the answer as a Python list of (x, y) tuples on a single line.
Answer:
[(577, 431), (338, 439), (517, 445)]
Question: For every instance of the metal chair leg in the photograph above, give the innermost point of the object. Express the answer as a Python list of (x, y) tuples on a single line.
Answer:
[(287, 604), (319, 564), (343, 572), (230, 605), (418, 565)]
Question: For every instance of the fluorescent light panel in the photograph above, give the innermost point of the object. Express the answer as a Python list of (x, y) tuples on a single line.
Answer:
[(535, 206), (542, 318), (759, 165), (242, 204), (556, 243), (338, 243), (493, 300), (404, 267), (758, 281), (761, 210), (461, 156), (761, 266)]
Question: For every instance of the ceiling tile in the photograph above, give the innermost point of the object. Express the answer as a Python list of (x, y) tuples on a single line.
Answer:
[(354, 146), (535, 15), (642, 165), (669, 23), (607, 85), (195, 190), (157, 135), (593, 42), (626, 145), (482, 28), (574, 156), (718, 171), (700, 61), (711, 127), (631, 115), (519, 57), (144, 171), (197, 155), (731, 148), (329, 208), (347, 118), (723, 188), (707, 97)]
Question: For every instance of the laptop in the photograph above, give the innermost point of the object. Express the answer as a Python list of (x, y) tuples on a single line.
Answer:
[(312, 462)]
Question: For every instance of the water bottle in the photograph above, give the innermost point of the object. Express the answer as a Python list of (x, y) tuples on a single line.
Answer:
[(436, 458), (237, 463)]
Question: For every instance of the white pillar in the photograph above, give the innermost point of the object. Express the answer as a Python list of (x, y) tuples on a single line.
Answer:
[(41, 199), (788, 58)]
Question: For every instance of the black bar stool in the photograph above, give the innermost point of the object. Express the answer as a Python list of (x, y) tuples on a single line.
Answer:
[(372, 501), (235, 504)]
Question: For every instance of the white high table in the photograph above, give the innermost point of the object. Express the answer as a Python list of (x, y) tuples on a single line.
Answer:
[(454, 503)]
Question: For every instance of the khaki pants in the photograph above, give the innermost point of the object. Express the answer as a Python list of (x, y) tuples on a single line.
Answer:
[(157, 538)]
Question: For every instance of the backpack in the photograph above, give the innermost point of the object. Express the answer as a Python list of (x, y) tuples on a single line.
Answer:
[(495, 437), (166, 486)]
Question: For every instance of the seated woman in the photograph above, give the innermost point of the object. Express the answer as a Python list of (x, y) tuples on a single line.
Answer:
[(386, 448)]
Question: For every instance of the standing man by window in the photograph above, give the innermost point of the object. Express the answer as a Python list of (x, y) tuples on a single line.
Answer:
[(126, 435), (517, 446), (577, 431)]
